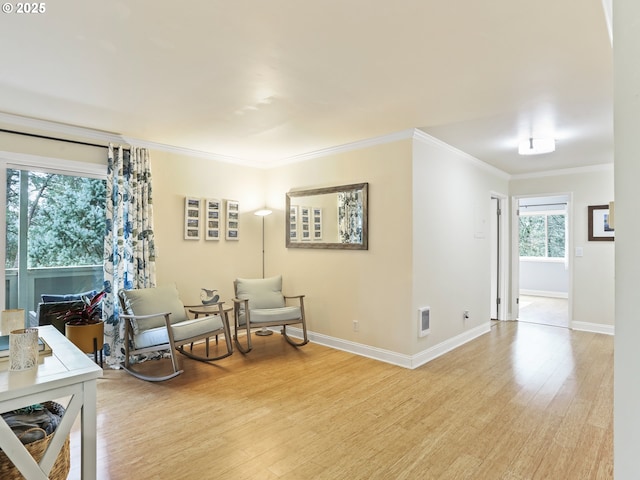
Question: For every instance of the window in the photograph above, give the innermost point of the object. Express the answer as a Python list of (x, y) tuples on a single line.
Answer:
[(54, 235), (543, 235)]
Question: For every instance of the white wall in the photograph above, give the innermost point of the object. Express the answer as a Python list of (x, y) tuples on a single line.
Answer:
[(451, 239), (372, 286), (539, 277), (626, 31), (593, 283)]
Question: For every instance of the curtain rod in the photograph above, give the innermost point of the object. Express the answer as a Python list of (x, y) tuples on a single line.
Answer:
[(45, 137), (542, 205)]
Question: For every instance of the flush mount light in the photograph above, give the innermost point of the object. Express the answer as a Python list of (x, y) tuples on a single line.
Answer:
[(536, 146)]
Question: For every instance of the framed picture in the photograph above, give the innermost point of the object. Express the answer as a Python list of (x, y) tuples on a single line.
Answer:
[(317, 223), (293, 223), (305, 224), (233, 219), (191, 218), (599, 228), (212, 208)]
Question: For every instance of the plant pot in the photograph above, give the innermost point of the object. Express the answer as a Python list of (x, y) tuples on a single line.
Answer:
[(82, 336)]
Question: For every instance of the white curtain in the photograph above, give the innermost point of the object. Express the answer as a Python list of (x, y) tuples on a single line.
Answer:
[(129, 258)]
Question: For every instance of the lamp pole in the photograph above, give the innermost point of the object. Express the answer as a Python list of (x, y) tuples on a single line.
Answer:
[(263, 213)]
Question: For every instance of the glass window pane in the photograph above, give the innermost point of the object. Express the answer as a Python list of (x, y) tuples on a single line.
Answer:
[(532, 236), (54, 239), (556, 235)]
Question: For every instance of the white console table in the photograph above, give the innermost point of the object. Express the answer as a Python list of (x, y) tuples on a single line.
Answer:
[(68, 372)]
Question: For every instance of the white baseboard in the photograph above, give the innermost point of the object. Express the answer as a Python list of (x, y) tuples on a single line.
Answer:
[(388, 356), (543, 293), (593, 327)]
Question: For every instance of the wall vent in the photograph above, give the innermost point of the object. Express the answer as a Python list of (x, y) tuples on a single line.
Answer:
[(423, 321)]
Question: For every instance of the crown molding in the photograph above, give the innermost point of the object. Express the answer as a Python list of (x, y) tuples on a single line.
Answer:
[(423, 137), (347, 147), (565, 171), (89, 134)]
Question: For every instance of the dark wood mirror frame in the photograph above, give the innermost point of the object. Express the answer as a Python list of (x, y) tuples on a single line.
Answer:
[(356, 187)]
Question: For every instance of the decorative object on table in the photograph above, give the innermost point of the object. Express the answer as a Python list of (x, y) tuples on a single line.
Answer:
[(84, 325), (35, 426), (23, 349), (233, 219), (209, 296), (44, 349), (11, 320), (191, 218), (599, 228), (212, 219)]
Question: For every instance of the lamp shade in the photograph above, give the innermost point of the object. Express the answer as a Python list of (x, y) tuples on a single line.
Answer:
[(263, 213), (536, 146)]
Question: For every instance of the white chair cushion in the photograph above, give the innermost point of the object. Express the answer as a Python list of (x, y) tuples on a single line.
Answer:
[(181, 331), (262, 292), (196, 327), (268, 315)]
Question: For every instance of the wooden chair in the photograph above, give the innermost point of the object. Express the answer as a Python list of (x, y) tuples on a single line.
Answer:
[(156, 320), (259, 303)]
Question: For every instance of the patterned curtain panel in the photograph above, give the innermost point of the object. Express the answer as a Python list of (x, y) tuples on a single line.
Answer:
[(350, 217), (129, 257)]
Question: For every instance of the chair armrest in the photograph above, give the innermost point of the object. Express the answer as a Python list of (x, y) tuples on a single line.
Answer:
[(133, 319), (141, 317)]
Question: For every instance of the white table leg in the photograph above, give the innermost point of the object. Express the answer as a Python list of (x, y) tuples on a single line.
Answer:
[(89, 426)]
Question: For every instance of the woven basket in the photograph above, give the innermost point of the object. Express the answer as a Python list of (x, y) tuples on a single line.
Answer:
[(60, 470)]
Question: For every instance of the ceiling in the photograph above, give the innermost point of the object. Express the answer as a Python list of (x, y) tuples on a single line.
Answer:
[(260, 81)]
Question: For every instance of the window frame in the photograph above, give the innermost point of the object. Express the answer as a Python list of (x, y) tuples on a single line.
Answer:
[(546, 214), (21, 161)]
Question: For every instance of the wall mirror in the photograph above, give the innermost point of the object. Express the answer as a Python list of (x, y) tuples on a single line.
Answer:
[(332, 217)]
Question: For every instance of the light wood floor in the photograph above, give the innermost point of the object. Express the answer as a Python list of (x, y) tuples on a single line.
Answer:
[(525, 401), (544, 310)]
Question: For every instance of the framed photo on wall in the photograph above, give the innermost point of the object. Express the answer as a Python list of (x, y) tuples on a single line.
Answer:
[(191, 218), (599, 227), (317, 223), (233, 220), (293, 223), (212, 208), (305, 224)]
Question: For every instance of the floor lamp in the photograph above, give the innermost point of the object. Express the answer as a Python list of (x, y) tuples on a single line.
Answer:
[(263, 213)]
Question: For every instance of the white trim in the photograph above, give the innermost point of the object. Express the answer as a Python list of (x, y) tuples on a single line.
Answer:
[(423, 137), (52, 165), (388, 356), (593, 327), (563, 171), (543, 293), (347, 147)]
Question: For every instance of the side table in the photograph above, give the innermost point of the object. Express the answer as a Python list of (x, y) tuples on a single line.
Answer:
[(214, 309)]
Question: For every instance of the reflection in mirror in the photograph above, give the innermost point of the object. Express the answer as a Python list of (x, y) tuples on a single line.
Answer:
[(332, 217)]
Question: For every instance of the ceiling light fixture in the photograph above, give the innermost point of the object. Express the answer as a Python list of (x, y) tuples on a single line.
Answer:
[(536, 146)]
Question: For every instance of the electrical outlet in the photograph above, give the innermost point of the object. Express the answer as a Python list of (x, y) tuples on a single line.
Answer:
[(356, 326)]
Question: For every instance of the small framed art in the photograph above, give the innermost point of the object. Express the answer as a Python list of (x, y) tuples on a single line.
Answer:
[(233, 220), (212, 219), (599, 228), (191, 218)]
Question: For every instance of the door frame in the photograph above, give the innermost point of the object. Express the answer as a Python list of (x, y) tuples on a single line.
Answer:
[(502, 257)]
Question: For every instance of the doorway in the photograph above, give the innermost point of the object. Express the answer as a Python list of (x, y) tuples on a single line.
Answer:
[(544, 274)]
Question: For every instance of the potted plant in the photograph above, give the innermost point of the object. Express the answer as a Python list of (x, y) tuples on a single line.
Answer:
[(84, 326)]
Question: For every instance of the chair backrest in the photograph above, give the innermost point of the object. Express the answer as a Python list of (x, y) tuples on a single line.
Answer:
[(147, 301), (261, 292)]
